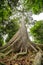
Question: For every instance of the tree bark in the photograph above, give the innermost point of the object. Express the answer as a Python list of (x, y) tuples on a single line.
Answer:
[(37, 60)]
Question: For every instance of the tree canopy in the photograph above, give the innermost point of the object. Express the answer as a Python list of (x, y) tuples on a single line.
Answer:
[(36, 6)]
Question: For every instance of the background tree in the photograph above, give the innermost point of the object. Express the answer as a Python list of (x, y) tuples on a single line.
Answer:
[(37, 32)]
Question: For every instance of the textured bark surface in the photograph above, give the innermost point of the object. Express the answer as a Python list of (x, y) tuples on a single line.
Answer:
[(37, 60)]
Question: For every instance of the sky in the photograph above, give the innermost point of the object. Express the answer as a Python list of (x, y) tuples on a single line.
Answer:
[(38, 17)]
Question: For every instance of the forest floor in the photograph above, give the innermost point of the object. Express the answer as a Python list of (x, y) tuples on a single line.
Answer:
[(21, 60)]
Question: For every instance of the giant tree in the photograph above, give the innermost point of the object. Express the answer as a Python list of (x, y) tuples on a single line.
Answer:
[(28, 5)]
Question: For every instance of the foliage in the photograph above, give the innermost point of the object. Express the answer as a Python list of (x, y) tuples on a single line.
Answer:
[(35, 5), (37, 32), (1, 40), (5, 10), (11, 28), (13, 2), (6, 26)]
